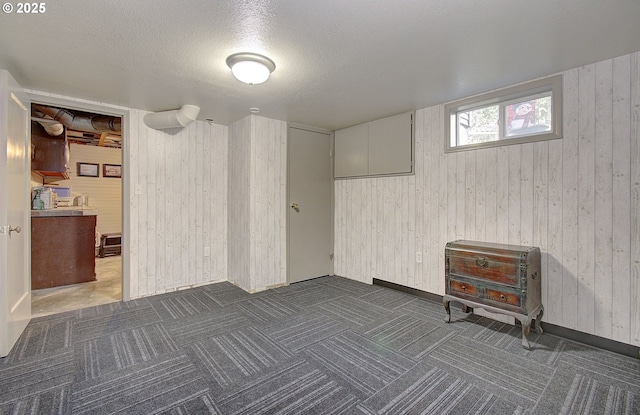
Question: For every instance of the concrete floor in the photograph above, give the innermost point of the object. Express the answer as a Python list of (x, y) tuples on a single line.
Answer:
[(106, 289)]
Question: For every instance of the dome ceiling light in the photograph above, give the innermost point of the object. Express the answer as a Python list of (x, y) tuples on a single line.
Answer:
[(250, 68)]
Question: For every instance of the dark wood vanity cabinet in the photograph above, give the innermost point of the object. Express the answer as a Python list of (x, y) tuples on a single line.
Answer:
[(62, 250)]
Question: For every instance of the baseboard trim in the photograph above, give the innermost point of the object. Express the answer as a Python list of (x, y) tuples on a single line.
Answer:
[(589, 339), (409, 290)]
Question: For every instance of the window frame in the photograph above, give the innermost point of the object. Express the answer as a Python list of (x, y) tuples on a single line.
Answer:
[(501, 98)]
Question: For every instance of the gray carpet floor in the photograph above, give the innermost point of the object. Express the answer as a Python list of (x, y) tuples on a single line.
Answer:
[(325, 346)]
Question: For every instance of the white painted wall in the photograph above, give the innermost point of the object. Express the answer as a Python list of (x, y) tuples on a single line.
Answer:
[(577, 198), (257, 201)]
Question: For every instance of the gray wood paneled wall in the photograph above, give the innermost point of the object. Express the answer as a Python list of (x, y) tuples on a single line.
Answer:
[(239, 199), (577, 198), (269, 203), (257, 201), (178, 205)]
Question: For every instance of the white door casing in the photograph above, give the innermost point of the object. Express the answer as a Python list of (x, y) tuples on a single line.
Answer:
[(15, 220), (310, 225)]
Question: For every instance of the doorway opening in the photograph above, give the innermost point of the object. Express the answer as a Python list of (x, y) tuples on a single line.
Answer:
[(76, 167)]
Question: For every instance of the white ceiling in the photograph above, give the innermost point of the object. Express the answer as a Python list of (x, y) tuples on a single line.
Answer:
[(338, 62)]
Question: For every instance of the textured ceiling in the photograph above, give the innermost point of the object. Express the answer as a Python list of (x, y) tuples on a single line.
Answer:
[(338, 63)]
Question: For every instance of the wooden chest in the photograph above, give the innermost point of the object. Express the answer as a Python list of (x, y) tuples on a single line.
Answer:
[(498, 278)]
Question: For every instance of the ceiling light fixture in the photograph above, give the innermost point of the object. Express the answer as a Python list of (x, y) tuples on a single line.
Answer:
[(250, 68)]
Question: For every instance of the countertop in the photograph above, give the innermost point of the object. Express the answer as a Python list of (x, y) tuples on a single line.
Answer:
[(65, 211)]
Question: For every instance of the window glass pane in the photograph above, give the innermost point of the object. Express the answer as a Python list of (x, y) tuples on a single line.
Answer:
[(518, 114), (532, 116), (478, 125)]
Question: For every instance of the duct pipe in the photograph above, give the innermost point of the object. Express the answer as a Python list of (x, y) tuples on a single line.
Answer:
[(172, 119), (51, 126), (82, 122)]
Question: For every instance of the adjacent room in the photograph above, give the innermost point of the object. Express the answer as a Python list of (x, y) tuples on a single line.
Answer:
[(76, 163), (303, 207)]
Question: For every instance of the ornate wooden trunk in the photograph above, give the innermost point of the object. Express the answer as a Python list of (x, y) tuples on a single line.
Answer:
[(498, 278)]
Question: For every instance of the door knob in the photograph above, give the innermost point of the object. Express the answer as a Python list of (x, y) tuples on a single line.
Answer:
[(295, 207), (17, 229)]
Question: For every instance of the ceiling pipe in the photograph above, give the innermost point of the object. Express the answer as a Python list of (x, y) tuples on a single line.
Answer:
[(82, 122), (51, 126), (172, 119)]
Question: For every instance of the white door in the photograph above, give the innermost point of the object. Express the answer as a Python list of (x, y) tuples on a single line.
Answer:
[(15, 220), (310, 219)]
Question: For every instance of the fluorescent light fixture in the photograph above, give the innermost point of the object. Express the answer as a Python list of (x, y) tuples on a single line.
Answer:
[(250, 68)]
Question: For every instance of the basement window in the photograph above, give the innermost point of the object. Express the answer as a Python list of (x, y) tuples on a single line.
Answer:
[(519, 114)]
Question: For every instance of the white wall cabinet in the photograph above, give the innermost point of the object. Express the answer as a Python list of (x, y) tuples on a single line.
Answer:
[(352, 151), (377, 148)]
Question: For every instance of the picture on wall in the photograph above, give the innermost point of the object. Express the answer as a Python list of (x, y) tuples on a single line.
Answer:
[(111, 170), (88, 169)]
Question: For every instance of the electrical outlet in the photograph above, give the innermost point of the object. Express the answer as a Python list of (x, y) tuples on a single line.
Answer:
[(207, 251), (419, 257)]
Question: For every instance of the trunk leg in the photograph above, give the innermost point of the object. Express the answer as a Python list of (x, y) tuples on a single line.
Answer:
[(447, 309)]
